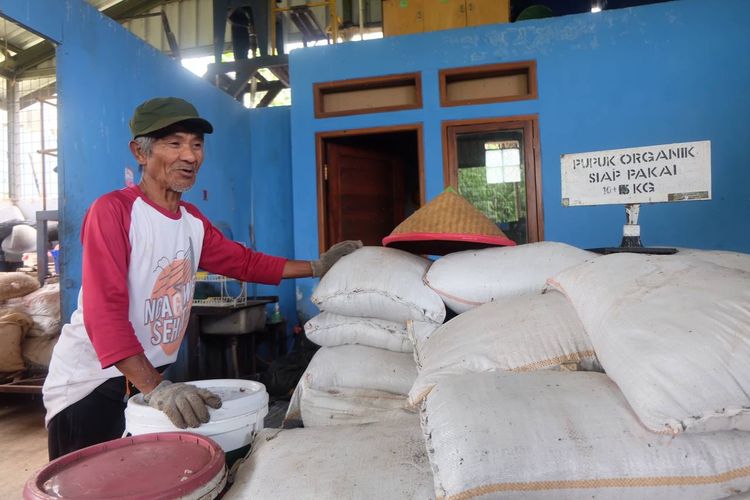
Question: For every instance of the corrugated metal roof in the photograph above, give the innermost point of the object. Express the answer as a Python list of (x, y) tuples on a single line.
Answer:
[(104, 4), (191, 21), (15, 38)]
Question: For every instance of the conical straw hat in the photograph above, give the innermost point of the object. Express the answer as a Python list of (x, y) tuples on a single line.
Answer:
[(448, 223)]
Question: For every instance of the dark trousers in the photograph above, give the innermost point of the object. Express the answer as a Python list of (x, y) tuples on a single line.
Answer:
[(97, 418)]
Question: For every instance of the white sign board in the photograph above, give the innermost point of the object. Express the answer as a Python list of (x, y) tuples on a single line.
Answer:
[(669, 172)]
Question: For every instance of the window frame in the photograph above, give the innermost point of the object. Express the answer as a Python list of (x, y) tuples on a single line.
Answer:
[(320, 90), (532, 164), (478, 73)]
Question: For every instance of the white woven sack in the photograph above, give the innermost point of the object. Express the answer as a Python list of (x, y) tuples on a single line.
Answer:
[(377, 282), (361, 367), (345, 406), (366, 377), (329, 329), (567, 435), (465, 280), (673, 333), (379, 461), (525, 333), (43, 302)]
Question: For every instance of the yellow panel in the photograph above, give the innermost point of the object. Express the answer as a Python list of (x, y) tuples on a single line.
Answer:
[(401, 17), (444, 14), (487, 12)]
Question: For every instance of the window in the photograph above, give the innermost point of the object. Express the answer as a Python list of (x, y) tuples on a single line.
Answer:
[(368, 95), (493, 164), (4, 134), (502, 162), (488, 83), (34, 167), (28, 141)]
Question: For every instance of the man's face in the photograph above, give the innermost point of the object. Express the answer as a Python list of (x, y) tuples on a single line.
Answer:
[(175, 160)]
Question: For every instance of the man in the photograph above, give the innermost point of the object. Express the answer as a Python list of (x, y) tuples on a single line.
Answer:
[(141, 248)]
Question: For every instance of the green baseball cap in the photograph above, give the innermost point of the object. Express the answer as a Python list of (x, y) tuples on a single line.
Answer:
[(161, 112)]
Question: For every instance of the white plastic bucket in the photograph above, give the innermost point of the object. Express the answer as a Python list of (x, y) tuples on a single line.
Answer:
[(243, 409)]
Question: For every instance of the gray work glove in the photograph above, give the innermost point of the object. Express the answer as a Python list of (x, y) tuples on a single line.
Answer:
[(184, 404), (329, 258)]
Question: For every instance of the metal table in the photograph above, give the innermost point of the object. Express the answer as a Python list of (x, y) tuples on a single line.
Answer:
[(201, 316)]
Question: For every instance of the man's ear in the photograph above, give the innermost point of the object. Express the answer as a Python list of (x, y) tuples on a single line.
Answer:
[(135, 148)]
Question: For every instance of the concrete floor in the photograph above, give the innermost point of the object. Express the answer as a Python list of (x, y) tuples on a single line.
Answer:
[(24, 441)]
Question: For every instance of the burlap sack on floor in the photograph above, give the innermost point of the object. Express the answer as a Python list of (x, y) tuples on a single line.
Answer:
[(37, 351), (14, 285), (13, 328)]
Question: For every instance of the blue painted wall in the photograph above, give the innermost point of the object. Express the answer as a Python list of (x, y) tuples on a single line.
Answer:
[(103, 73), (671, 72), (271, 195)]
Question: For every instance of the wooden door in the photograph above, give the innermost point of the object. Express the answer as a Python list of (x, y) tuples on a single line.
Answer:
[(487, 12), (364, 193), (401, 17), (444, 14)]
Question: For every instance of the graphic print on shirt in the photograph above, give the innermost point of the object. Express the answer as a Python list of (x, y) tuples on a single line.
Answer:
[(167, 311)]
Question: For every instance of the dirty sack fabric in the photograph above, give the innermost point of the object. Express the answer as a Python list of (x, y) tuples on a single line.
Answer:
[(383, 283), (42, 302), (13, 328), (525, 333), (344, 406), (376, 461), (353, 382), (467, 279), (419, 332), (735, 260), (329, 330), (567, 435), (673, 333)]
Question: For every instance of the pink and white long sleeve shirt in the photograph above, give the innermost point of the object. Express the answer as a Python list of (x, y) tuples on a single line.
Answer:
[(139, 264)]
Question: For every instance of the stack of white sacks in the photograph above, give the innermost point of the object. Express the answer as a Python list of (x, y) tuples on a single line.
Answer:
[(669, 419), (564, 375), (361, 439), (365, 367)]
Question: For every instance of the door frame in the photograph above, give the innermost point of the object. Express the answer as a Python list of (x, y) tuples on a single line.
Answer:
[(320, 161), (532, 168)]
